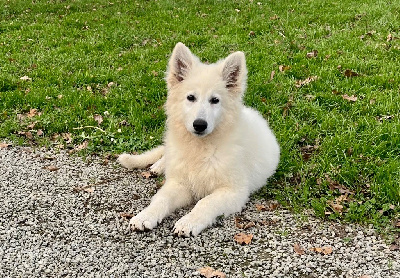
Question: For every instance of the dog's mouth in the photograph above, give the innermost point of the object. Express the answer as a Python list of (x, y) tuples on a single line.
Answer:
[(200, 133)]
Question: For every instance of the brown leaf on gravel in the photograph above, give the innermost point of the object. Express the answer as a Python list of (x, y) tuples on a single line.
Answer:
[(350, 73), (351, 98), (297, 248), (147, 175), (365, 276), (326, 250), (394, 247), (243, 224), (271, 206), (4, 145), (126, 215), (308, 80), (51, 168), (89, 189), (261, 207), (243, 239), (209, 272)]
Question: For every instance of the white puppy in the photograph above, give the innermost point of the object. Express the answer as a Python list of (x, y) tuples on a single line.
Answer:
[(216, 150)]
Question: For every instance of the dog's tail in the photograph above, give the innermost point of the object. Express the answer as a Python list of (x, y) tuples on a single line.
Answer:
[(143, 160)]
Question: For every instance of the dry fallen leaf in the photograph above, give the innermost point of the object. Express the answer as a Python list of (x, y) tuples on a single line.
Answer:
[(209, 272), (272, 75), (337, 207), (4, 145), (98, 118), (352, 98), (398, 223), (243, 239), (312, 54), (51, 168), (147, 175), (27, 134), (283, 68), (126, 215), (26, 78), (33, 112), (326, 250), (365, 276), (297, 248), (89, 189), (39, 132), (275, 17), (350, 73), (308, 80), (394, 247)]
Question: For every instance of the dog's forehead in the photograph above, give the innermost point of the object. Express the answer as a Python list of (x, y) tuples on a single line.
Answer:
[(205, 79)]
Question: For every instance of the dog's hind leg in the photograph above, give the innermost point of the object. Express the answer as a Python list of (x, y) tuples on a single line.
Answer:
[(142, 160)]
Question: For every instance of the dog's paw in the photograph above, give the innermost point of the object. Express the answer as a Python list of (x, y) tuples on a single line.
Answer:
[(143, 222), (127, 160), (189, 226), (158, 167)]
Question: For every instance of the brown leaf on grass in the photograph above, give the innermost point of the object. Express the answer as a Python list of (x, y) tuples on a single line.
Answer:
[(25, 78), (351, 98), (32, 125), (398, 224), (272, 75), (312, 54), (350, 73), (33, 112), (337, 207), (209, 272), (4, 145), (275, 17), (67, 137), (326, 250), (98, 118), (39, 132), (308, 80), (307, 151), (243, 239), (297, 248), (333, 185), (27, 134), (51, 168), (283, 68)]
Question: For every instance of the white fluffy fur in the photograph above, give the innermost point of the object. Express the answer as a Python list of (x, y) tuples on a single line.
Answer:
[(218, 167)]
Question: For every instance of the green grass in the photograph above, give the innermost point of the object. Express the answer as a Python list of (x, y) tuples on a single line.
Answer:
[(72, 50)]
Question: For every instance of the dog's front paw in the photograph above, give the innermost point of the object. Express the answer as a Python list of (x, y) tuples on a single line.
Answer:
[(189, 226), (143, 222)]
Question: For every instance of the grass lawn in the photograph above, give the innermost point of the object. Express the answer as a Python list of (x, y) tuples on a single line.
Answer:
[(89, 75)]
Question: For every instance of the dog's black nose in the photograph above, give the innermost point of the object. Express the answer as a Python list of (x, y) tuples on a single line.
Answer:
[(199, 125)]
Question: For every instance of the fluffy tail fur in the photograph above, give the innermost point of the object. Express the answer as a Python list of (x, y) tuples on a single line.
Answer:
[(143, 160)]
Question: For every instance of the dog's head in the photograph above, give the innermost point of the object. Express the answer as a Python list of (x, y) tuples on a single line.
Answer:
[(201, 96)]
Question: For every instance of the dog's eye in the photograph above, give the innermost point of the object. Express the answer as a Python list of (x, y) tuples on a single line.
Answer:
[(191, 98), (214, 100)]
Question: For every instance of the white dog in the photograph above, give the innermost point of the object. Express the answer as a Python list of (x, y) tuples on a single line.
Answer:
[(216, 150)]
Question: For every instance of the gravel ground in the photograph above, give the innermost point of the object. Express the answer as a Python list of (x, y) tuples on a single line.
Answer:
[(73, 222)]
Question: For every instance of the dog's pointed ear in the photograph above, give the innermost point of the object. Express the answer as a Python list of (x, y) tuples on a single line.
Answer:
[(179, 65), (234, 72)]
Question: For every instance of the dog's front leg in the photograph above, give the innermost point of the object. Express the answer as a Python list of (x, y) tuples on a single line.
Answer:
[(223, 201), (171, 196)]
